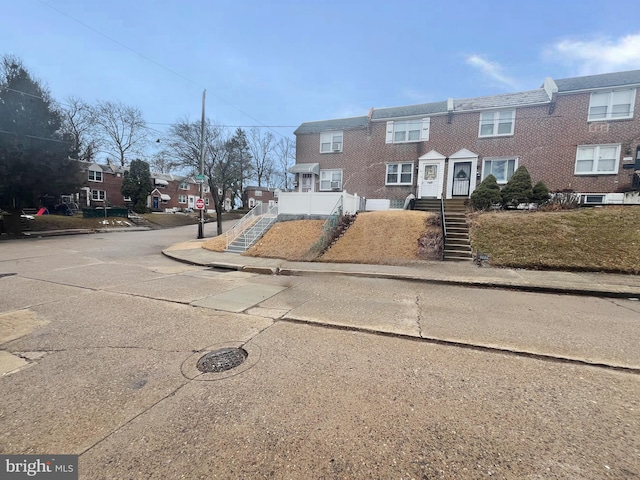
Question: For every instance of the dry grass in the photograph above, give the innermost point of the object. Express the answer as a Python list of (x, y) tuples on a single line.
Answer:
[(216, 244), (168, 220), (42, 223), (599, 239), (288, 240), (386, 238)]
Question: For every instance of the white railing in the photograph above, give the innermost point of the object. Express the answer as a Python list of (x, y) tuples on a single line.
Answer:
[(249, 220), (316, 203)]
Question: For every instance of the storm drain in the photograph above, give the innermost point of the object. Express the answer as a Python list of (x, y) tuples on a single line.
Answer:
[(221, 360)]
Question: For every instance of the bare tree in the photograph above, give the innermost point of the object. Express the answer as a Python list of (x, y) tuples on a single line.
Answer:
[(78, 124), (122, 129), (183, 144), (162, 162), (286, 157), (262, 147)]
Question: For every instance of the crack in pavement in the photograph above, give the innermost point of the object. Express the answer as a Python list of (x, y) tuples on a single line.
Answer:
[(419, 319), (471, 346)]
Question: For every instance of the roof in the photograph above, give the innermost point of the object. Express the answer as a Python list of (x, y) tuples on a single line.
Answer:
[(410, 110), (350, 123), (504, 100), (604, 80)]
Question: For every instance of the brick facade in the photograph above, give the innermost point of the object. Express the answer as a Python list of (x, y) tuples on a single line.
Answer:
[(545, 139)]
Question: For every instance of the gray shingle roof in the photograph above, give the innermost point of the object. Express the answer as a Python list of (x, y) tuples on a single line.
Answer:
[(410, 110), (598, 81), (351, 123), (504, 100)]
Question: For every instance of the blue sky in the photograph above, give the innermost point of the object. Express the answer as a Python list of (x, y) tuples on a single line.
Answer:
[(285, 62)]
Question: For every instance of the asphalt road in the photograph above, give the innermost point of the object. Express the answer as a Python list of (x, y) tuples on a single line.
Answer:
[(345, 377)]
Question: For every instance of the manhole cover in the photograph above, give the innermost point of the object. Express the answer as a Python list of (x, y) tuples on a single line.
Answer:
[(221, 360)]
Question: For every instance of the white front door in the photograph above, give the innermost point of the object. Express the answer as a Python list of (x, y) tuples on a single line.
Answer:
[(307, 182), (430, 178), (191, 202)]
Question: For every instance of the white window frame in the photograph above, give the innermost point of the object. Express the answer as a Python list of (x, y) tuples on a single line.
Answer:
[(398, 173), (501, 181), (98, 195), (184, 186), (610, 103), (330, 174), (206, 201), (495, 121), (97, 176), (422, 126), (596, 159), (331, 142), (257, 193), (182, 199), (206, 189)]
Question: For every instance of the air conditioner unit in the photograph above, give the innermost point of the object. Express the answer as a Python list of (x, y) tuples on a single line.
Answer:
[(335, 185), (337, 147)]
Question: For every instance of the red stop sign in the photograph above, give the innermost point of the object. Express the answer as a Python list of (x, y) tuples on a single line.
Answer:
[(200, 204)]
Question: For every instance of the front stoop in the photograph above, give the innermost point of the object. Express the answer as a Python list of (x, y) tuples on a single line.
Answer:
[(457, 246)]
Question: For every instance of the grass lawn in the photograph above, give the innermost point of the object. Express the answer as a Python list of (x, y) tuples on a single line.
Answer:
[(598, 239)]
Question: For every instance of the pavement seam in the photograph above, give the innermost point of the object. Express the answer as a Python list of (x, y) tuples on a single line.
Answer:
[(471, 346), (419, 319)]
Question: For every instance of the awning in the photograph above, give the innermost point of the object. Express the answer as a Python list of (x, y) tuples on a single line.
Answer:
[(305, 168), (164, 197), (159, 181)]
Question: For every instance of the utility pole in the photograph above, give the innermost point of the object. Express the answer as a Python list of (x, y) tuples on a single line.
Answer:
[(201, 222)]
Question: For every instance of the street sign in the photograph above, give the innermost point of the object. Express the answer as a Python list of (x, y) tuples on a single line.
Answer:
[(200, 204), (200, 178)]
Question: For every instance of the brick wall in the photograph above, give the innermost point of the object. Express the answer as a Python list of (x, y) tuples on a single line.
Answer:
[(544, 142)]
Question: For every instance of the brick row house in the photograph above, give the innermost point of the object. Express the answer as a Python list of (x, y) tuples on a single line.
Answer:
[(253, 196), (170, 192), (576, 134)]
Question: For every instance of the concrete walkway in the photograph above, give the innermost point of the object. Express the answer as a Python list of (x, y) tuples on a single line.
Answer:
[(455, 273)]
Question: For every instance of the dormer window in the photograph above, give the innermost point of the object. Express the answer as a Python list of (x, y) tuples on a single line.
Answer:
[(331, 142)]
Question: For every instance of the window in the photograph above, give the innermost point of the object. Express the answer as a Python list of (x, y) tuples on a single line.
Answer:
[(330, 179), (276, 193), (127, 199), (612, 105), (98, 195), (95, 176), (258, 193), (206, 201), (597, 159), (501, 168), (184, 186), (206, 188), (497, 123), (408, 131), (399, 173), (182, 199), (330, 142)]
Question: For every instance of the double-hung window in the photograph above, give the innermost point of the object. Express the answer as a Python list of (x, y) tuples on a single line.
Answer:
[(330, 180), (98, 195), (612, 105), (406, 131), (501, 168), (497, 123), (257, 193), (597, 159), (182, 199), (184, 186), (95, 176), (330, 142), (399, 174)]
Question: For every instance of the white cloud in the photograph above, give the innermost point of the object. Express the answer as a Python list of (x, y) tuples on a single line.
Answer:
[(599, 55), (492, 70)]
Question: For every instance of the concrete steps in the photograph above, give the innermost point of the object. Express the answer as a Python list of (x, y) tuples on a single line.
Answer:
[(457, 246), (427, 205), (251, 235)]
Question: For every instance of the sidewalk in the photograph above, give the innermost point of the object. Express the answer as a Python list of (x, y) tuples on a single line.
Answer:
[(453, 273)]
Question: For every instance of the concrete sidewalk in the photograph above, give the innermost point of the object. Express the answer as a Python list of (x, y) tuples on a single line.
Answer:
[(455, 273)]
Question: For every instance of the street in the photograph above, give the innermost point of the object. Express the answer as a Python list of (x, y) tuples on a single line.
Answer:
[(345, 377)]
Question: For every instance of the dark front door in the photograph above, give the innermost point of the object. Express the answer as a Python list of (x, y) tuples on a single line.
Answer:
[(461, 179), (156, 203)]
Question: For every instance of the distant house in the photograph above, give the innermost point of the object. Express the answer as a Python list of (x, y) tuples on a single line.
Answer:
[(253, 196), (580, 134)]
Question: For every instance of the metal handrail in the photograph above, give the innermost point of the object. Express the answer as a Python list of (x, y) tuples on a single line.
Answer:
[(249, 220), (444, 225)]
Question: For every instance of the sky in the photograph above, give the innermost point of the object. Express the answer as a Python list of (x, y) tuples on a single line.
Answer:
[(277, 63)]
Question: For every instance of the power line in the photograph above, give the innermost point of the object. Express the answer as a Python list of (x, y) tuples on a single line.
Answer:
[(36, 137), (155, 63)]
